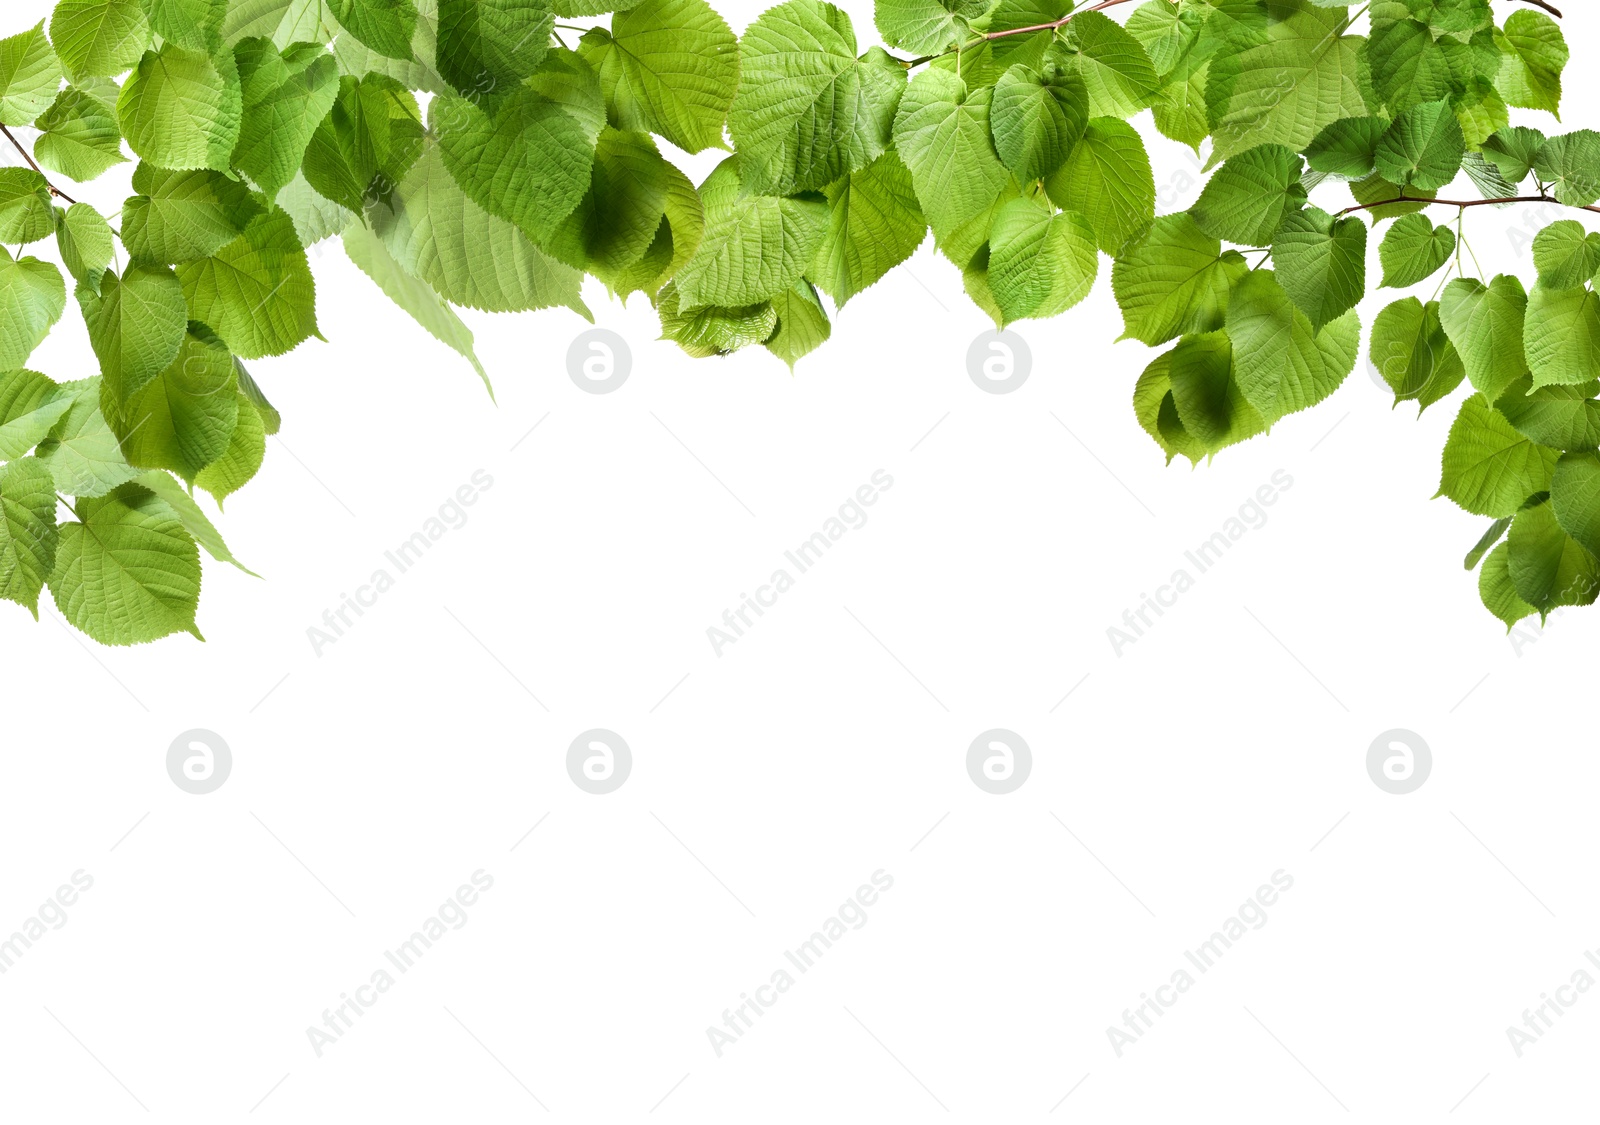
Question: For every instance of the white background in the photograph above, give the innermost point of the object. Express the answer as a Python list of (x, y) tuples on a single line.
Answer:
[(769, 782)]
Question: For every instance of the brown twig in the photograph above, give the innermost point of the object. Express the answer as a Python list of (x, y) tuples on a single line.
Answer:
[(1545, 4), (1463, 204), (55, 191)]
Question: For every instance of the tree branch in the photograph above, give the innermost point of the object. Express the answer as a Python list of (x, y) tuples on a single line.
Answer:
[(55, 191), (1463, 204), (1545, 4)]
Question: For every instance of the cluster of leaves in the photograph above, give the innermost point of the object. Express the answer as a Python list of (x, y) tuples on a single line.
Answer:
[(467, 155)]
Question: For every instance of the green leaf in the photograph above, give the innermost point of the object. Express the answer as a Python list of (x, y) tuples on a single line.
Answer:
[(79, 136), (1561, 417), (1112, 64), (1347, 148), (29, 76), (285, 95), (617, 220), (282, 21), (874, 224), (1498, 592), (1413, 251), (529, 164), (942, 134), (1036, 120), (1287, 90), (802, 324), (367, 142), (414, 71), (807, 111), (487, 47), (1280, 365), (1530, 75), (82, 453), (754, 248), (709, 330), (1321, 263), (1570, 167), (1423, 148), (181, 109), (194, 521), (1566, 255), (676, 240), (270, 418), (86, 243), (183, 418), (1209, 403), (416, 297), (26, 212), (1489, 468), (30, 405), (1174, 281), (32, 299), (1513, 151), (1575, 496), (238, 465), (567, 79), (99, 38), (28, 535), (469, 256), (1496, 532), (1413, 354), (1562, 335), (194, 25), (1157, 411), (256, 292), (136, 325), (183, 216), (1548, 567), (1246, 200), (387, 26), (921, 26), (1376, 193), (128, 573), (668, 67), (1041, 262), (1485, 323), (1107, 180)]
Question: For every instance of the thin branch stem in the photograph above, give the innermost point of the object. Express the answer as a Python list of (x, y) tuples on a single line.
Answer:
[(1465, 203), (55, 191), (1054, 25), (1556, 12)]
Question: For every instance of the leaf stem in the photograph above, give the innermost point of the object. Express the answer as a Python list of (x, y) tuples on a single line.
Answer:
[(1053, 25), (1465, 203), (55, 191)]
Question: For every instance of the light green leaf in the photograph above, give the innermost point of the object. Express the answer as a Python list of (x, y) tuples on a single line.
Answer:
[(136, 325), (183, 216), (367, 142), (1485, 323), (1513, 151), (617, 220), (30, 74), (802, 324), (194, 521), (1413, 354), (1108, 181), (26, 212), (86, 243), (30, 405), (82, 453), (469, 256), (1548, 567), (181, 109), (942, 134), (754, 248), (183, 418), (1174, 281), (874, 224), (128, 573), (1348, 148), (709, 330), (256, 292), (1321, 263), (1280, 365), (1036, 120), (416, 297), (99, 38), (1245, 200), (1423, 148), (1566, 255), (1570, 167), (1562, 417), (387, 26), (1498, 592), (28, 535), (1575, 496), (1489, 468), (920, 26), (1113, 65), (285, 95), (668, 67), (487, 47), (1210, 406), (1530, 74), (1562, 335), (807, 111), (1041, 263), (79, 134), (282, 21), (32, 299), (1413, 251)]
